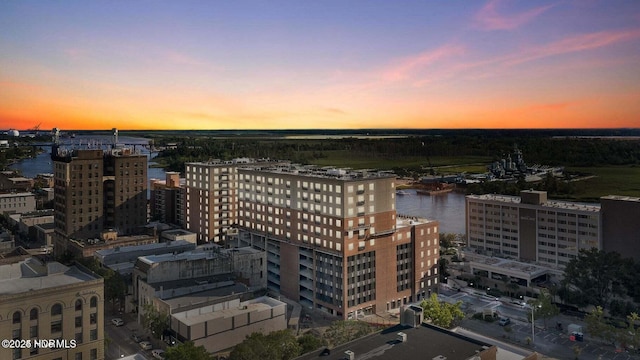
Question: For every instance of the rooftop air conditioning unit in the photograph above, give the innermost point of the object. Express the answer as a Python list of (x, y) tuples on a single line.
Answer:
[(350, 355), (402, 337)]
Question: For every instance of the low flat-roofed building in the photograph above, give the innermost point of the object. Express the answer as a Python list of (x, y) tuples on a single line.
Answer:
[(518, 272), (129, 254), (110, 240), (405, 342), (42, 233), (221, 327), (48, 300), (179, 234), (10, 181), (17, 203)]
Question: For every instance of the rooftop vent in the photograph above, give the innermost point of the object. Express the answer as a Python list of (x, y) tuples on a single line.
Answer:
[(402, 337), (350, 355)]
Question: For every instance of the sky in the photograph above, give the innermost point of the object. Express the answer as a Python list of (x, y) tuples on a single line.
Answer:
[(319, 64)]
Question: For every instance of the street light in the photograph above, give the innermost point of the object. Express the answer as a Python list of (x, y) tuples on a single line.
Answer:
[(533, 322)]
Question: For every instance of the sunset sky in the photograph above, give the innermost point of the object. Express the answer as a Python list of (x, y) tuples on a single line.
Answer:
[(319, 64)]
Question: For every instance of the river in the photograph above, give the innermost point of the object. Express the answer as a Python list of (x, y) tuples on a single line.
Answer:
[(448, 209)]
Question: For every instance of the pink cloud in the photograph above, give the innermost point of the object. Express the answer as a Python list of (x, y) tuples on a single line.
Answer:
[(489, 18), (183, 59), (408, 66), (572, 44)]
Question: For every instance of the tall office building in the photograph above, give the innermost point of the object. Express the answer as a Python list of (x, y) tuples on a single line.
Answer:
[(97, 190), (531, 228), (42, 301), (333, 239)]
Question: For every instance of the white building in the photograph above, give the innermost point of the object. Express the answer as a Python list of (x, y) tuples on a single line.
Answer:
[(531, 228)]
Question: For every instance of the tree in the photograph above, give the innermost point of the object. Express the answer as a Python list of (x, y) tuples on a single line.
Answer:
[(308, 343), (114, 287), (544, 307), (154, 320), (447, 240), (257, 346), (441, 314), (593, 278), (343, 331), (187, 350), (597, 326)]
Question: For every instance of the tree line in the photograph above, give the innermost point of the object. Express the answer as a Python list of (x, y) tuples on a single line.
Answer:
[(536, 147)]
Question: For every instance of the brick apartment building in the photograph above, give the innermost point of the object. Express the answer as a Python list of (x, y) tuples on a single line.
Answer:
[(333, 239), (97, 190)]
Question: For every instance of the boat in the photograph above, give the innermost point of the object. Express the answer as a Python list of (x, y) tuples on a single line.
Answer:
[(434, 192), (402, 192), (436, 189)]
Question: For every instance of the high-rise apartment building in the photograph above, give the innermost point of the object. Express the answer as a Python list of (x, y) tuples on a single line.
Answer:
[(167, 199), (531, 228), (211, 199), (333, 239), (96, 190), (46, 301)]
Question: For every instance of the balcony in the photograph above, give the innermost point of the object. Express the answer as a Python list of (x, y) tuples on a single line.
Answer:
[(359, 227)]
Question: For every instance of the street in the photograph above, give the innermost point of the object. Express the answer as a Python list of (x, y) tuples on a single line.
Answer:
[(549, 341), (121, 343)]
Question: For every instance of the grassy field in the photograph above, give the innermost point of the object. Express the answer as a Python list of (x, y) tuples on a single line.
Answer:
[(610, 180)]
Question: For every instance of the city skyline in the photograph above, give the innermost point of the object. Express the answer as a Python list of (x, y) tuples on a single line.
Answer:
[(333, 65)]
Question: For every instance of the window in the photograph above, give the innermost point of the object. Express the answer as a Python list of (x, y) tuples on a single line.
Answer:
[(56, 326), (93, 334), (93, 302), (79, 356), (93, 318), (56, 310), (33, 314), (79, 321), (33, 331), (17, 317), (93, 354), (78, 305)]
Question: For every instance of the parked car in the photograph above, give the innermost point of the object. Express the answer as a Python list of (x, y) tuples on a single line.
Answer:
[(504, 321), (136, 338), (158, 353), (117, 322), (145, 345)]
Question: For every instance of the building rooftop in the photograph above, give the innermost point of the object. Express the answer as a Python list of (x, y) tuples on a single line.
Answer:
[(621, 198), (34, 274), (566, 205), (407, 220), (423, 342), (326, 172), (190, 256), (192, 295), (16, 194), (141, 250), (206, 313)]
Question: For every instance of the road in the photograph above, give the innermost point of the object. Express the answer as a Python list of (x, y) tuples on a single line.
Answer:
[(548, 341), (121, 344)]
